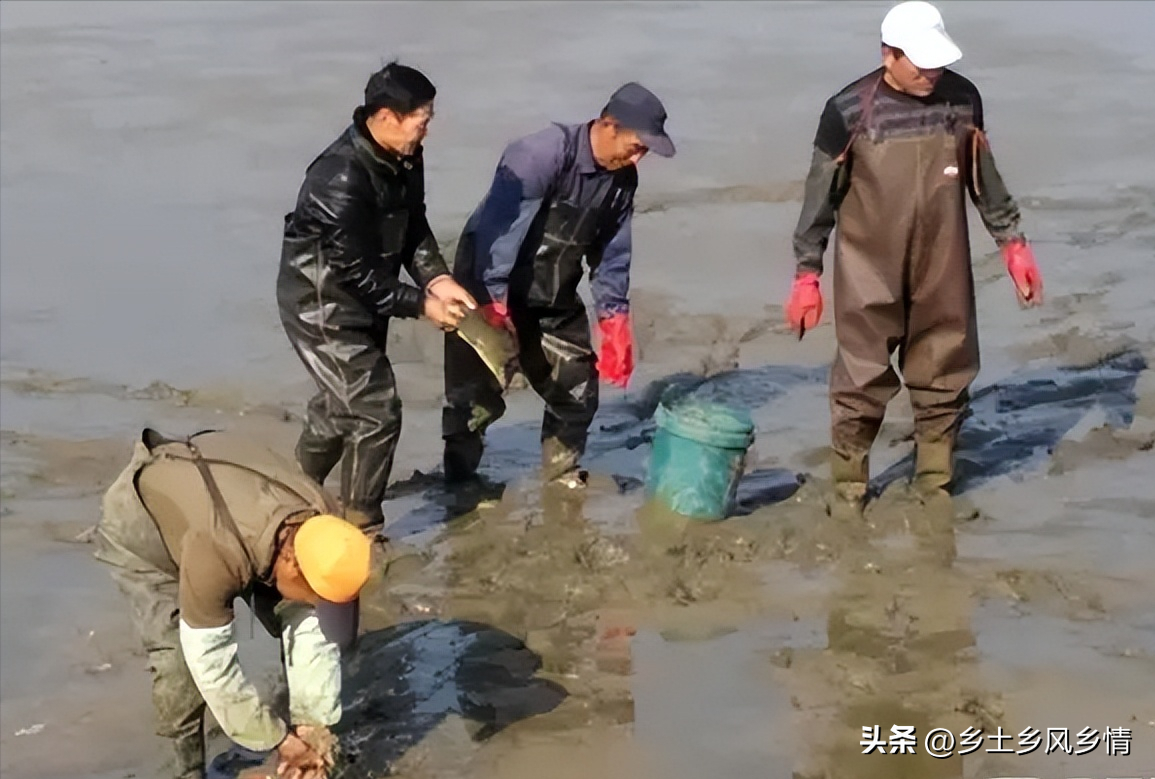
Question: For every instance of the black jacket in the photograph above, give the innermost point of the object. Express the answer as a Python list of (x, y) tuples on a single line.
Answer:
[(360, 217)]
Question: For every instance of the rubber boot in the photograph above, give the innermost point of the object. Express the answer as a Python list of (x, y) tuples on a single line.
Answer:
[(189, 757), (371, 522), (934, 466), (575, 479), (318, 456), (559, 464), (239, 762), (176, 700), (462, 456), (850, 474)]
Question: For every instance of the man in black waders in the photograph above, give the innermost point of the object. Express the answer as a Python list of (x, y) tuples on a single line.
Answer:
[(895, 154), (191, 525), (360, 218), (558, 196)]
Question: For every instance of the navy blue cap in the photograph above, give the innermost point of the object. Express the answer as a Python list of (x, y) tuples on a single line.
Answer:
[(640, 110)]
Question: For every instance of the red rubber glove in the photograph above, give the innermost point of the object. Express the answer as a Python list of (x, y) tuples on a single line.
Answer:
[(1020, 261), (497, 315), (804, 308), (616, 362)]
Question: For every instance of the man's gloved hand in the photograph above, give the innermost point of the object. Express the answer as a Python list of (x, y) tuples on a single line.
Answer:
[(497, 315), (1020, 262), (804, 308), (616, 361)]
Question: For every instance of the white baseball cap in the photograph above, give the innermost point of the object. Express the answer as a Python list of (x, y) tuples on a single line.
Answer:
[(916, 28)]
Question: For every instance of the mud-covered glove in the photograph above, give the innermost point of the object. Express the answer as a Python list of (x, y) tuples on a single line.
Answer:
[(296, 759), (616, 361), (1020, 261), (322, 741), (804, 308)]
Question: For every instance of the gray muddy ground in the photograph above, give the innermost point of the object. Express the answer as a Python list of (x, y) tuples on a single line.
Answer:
[(148, 154)]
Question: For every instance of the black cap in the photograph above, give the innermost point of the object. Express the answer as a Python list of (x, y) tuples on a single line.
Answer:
[(640, 110)]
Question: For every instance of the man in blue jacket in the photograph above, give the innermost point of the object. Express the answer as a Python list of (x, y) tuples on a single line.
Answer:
[(558, 196)]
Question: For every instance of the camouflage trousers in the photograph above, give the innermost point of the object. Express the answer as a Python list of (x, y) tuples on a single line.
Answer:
[(179, 707)]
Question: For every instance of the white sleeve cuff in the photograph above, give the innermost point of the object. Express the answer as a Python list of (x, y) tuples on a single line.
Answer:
[(312, 669), (211, 655)]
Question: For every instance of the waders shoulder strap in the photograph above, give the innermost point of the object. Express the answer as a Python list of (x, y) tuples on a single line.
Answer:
[(866, 97), (221, 512)]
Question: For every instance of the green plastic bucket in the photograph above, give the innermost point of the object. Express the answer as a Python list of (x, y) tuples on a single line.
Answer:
[(698, 456)]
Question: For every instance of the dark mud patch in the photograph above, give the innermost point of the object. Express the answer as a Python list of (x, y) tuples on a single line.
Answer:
[(42, 383), (786, 192), (55, 468), (1124, 198), (749, 388), (1137, 217), (1048, 592), (629, 424), (1077, 346), (401, 682), (1019, 421), (766, 487), (665, 333), (1143, 508)]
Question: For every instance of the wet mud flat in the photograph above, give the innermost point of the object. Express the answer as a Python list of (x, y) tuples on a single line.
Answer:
[(512, 626), (515, 633), (933, 614)]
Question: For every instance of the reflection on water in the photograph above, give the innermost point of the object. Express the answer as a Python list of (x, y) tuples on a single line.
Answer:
[(98, 99), (899, 646), (1014, 423), (1009, 427), (401, 682)]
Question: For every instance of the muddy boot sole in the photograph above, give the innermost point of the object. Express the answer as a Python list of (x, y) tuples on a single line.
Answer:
[(930, 490), (477, 493), (848, 501), (572, 480), (850, 472), (370, 524), (849, 467), (560, 462), (188, 758)]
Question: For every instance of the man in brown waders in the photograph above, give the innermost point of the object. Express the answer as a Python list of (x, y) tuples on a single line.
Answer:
[(895, 154), (189, 526)]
